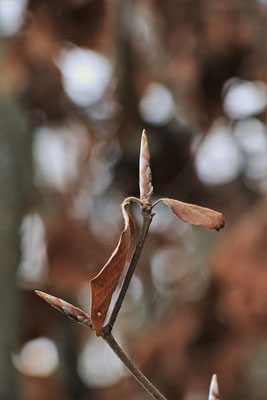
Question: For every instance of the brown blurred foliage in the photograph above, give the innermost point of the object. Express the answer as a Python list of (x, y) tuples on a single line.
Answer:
[(211, 318)]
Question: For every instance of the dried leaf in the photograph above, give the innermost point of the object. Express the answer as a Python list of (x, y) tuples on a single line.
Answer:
[(68, 309), (145, 176), (104, 284), (214, 388), (196, 215)]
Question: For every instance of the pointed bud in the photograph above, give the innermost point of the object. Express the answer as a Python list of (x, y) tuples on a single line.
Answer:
[(214, 388), (68, 309), (145, 176)]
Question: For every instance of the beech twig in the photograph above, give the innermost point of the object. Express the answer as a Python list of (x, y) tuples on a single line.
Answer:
[(147, 219), (146, 190), (107, 328), (104, 285), (83, 318)]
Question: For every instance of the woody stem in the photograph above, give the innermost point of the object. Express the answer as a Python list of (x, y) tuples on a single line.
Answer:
[(147, 385), (147, 219), (107, 328)]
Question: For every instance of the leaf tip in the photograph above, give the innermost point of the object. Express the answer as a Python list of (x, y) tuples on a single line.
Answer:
[(53, 301), (221, 225), (43, 295)]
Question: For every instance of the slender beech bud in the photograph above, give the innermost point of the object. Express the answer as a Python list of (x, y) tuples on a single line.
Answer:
[(214, 388), (145, 176), (68, 309)]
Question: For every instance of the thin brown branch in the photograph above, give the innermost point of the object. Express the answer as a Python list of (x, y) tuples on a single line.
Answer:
[(147, 385), (106, 330), (147, 219), (83, 318)]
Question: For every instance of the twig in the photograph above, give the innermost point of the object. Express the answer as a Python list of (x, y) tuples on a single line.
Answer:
[(147, 219), (106, 330), (83, 318), (188, 213), (147, 385)]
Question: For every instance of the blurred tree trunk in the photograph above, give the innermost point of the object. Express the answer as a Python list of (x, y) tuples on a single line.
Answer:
[(69, 350), (15, 188)]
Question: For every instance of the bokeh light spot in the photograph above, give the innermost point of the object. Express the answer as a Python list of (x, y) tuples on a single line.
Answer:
[(218, 160), (33, 267), (86, 75), (251, 135), (98, 366), (38, 357), (11, 16), (57, 152), (156, 107), (244, 98)]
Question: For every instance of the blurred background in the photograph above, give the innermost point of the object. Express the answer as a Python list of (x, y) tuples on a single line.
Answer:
[(79, 80)]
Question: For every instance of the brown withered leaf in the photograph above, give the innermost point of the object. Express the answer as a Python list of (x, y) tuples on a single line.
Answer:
[(196, 215), (66, 308), (104, 284)]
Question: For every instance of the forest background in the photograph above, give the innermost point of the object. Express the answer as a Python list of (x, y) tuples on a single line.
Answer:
[(79, 80)]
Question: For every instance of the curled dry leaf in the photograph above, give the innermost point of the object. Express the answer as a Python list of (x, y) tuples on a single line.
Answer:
[(104, 284), (214, 388), (68, 309), (196, 215), (145, 176)]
